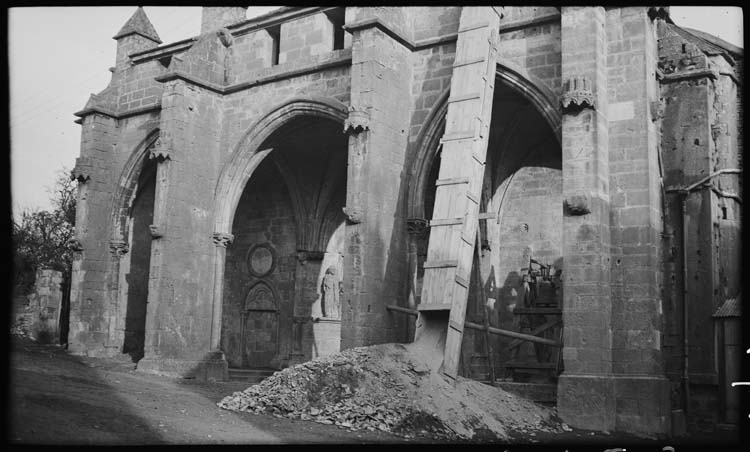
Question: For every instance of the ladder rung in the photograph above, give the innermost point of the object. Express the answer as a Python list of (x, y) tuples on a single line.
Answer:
[(455, 326), (472, 197), (434, 307), (462, 281), (446, 221), (470, 96), (468, 62), (457, 136), (452, 181), (474, 27), (440, 264)]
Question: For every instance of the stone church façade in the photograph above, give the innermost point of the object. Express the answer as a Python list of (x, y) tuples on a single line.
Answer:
[(261, 194)]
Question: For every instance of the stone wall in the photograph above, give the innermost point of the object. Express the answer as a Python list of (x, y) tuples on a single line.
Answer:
[(44, 304)]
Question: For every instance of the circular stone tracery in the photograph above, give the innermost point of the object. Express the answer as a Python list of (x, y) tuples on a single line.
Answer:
[(261, 260)]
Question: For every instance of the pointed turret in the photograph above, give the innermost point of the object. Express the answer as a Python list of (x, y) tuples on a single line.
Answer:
[(136, 35), (138, 24)]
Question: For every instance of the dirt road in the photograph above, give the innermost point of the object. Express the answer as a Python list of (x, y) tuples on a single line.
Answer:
[(56, 398)]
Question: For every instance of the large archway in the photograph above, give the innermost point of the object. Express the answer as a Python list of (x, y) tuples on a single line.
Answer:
[(132, 216), (278, 297), (522, 206)]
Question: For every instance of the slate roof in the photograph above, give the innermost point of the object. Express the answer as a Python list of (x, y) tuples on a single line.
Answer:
[(709, 44), (139, 24)]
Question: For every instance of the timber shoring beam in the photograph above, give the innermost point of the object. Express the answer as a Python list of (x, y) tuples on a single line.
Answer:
[(492, 330)]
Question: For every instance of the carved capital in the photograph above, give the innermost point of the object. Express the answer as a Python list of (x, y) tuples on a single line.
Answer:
[(577, 204), (222, 239), (353, 214), (118, 248), (158, 151), (417, 226), (358, 120), (156, 231), (578, 94), (83, 170)]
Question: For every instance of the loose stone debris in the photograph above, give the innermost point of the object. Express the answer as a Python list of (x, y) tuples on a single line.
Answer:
[(388, 388)]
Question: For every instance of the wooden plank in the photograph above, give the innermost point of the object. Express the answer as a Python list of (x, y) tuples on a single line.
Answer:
[(446, 221), (452, 181), (474, 27), (403, 310), (463, 156), (516, 335), (459, 136), (440, 264), (470, 96), (434, 307), (535, 332), (458, 64)]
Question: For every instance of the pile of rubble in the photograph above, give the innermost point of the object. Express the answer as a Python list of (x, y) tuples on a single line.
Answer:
[(385, 387)]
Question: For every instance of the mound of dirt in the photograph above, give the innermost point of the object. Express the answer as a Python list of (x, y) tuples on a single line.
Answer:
[(391, 388)]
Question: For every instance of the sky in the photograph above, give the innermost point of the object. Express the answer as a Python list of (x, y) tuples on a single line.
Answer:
[(58, 56)]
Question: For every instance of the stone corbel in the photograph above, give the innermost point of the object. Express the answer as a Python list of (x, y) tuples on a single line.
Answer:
[(577, 204), (417, 226), (579, 94), (158, 151), (156, 231), (353, 214), (358, 120), (222, 239), (83, 170), (225, 37), (118, 248)]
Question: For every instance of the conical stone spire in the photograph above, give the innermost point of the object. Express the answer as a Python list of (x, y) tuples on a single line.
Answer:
[(139, 24)]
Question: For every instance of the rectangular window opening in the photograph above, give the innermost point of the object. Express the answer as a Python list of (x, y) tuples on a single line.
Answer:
[(275, 33), (336, 18)]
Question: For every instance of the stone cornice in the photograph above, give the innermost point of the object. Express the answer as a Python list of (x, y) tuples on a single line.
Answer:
[(267, 75), (382, 26), (115, 114), (533, 22), (678, 76)]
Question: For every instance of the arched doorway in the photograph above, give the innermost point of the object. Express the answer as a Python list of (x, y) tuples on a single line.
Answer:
[(287, 231), (521, 204)]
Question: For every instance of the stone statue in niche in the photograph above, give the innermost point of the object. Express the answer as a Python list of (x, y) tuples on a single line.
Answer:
[(330, 298)]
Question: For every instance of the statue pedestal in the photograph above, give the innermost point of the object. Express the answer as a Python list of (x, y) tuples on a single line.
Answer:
[(326, 338)]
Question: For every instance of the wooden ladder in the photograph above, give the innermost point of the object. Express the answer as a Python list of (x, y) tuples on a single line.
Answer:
[(453, 229)]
